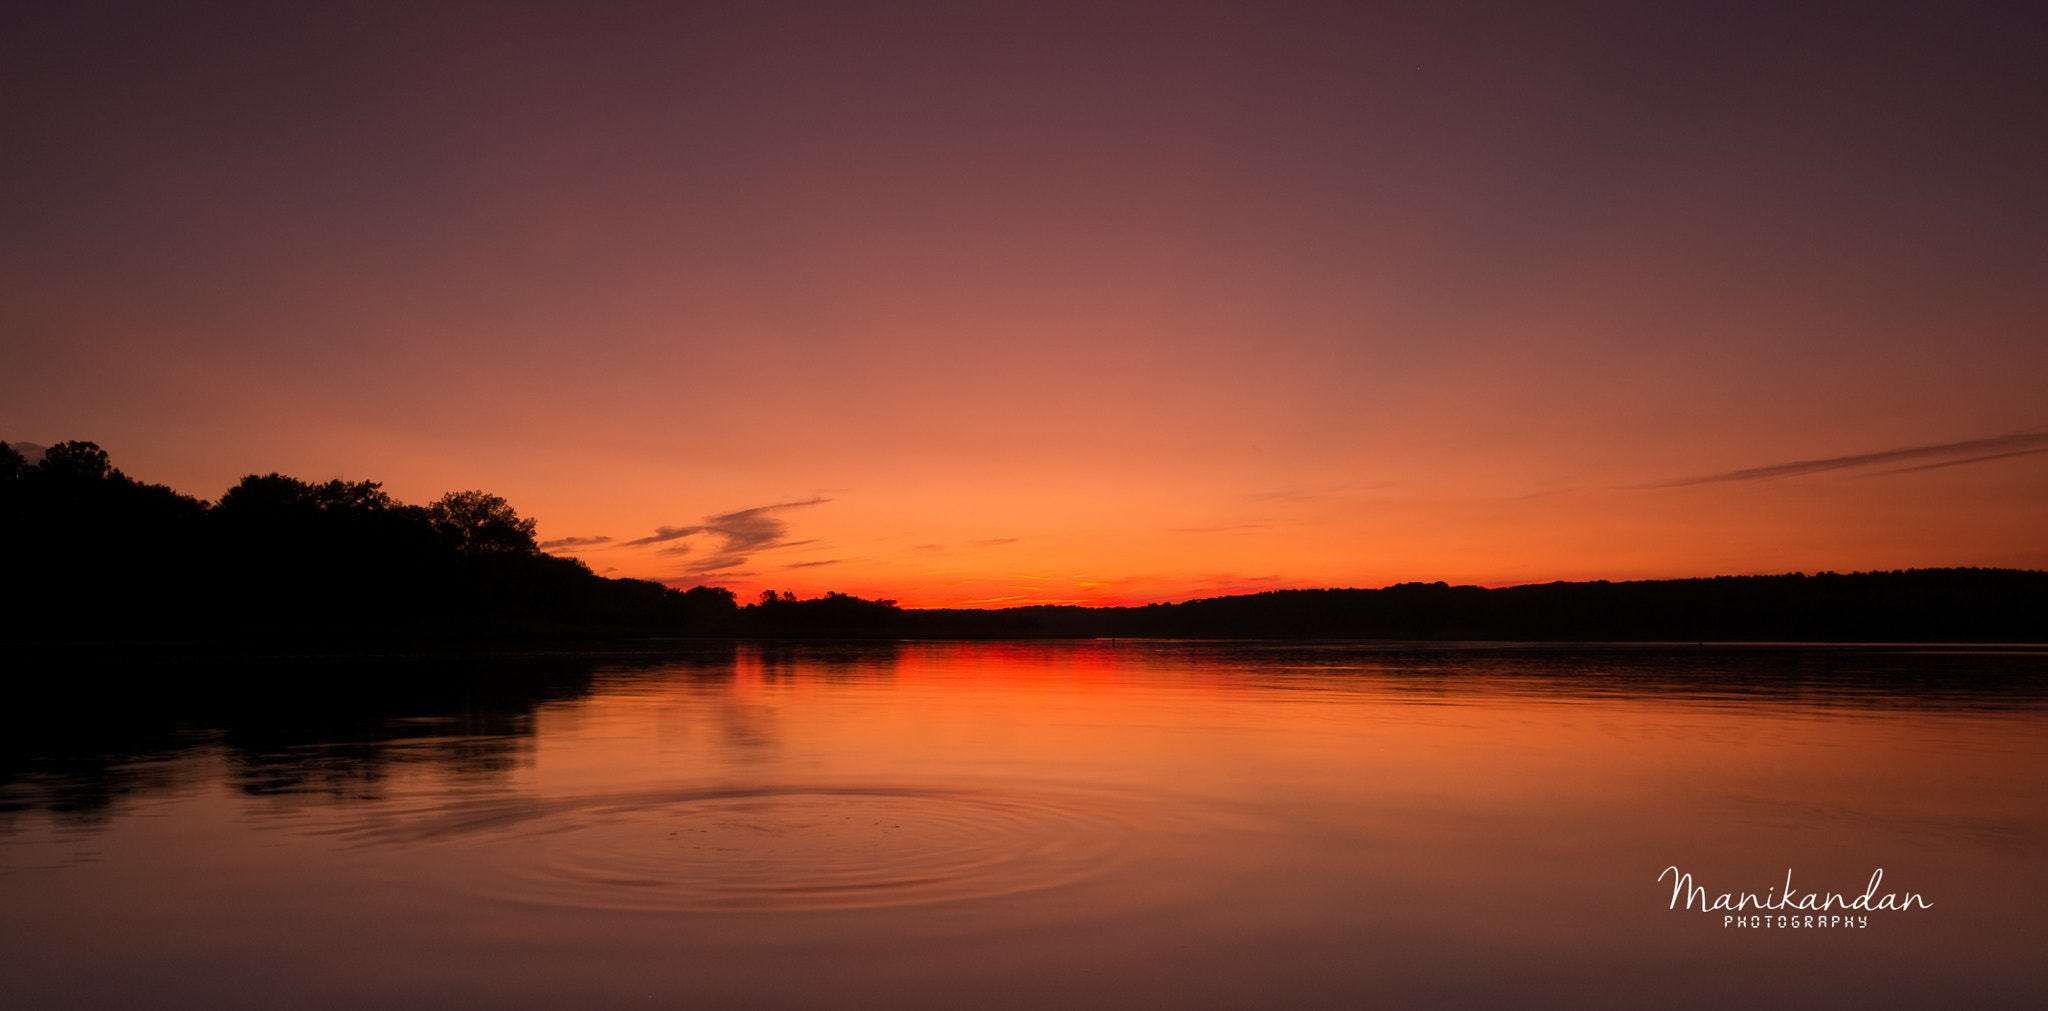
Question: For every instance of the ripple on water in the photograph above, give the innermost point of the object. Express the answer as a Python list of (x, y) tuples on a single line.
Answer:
[(771, 848)]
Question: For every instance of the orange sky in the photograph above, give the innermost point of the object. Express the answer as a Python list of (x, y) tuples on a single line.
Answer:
[(1089, 303)]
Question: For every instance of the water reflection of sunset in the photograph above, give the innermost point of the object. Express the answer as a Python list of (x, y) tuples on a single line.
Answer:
[(806, 824)]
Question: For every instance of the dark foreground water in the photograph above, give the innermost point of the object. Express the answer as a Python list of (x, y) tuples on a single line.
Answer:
[(1029, 825)]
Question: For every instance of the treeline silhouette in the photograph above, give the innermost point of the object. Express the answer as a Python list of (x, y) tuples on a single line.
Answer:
[(1917, 605), (96, 555)]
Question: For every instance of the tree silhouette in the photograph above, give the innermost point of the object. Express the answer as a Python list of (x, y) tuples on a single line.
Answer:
[(77, 461), (355, 496), (264, 494), (12, 463), (479, 523)]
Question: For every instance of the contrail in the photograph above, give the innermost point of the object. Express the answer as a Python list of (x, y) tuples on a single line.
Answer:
[(2003, 446)]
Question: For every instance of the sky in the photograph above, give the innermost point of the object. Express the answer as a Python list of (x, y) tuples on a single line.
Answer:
[(985, 304)]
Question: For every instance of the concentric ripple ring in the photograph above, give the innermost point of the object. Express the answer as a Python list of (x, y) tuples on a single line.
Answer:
[(780, 847)]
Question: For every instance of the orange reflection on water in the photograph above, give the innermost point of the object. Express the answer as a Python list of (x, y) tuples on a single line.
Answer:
[(1098, 824)]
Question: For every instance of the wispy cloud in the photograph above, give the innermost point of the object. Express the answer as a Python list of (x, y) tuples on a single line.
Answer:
[(1958, 463), (662, 534), (811, 565), (994, 542), (1224, 528), (695, 578), (572, 543), (740, 534), (1230, 582), (30, 451), (1973, 451)]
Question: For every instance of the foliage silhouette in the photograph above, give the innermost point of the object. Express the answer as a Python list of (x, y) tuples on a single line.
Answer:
[(100, 556), (478, 523)]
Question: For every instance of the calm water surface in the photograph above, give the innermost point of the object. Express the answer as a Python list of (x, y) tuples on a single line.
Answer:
[(1028, 825)]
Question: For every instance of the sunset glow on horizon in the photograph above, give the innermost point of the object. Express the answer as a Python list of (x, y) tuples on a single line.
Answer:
[(961, 306)]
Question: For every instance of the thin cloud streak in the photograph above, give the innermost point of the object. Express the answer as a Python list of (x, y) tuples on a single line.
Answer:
[(661, 534), (1958, 463), (572, 543), (678, 581), (2018, 443), (716, 566)]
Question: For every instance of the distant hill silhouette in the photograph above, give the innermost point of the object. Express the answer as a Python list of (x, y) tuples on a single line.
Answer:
[(93, 555)]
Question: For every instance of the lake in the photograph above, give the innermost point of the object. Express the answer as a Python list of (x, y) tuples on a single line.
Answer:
[(1029, 825)]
